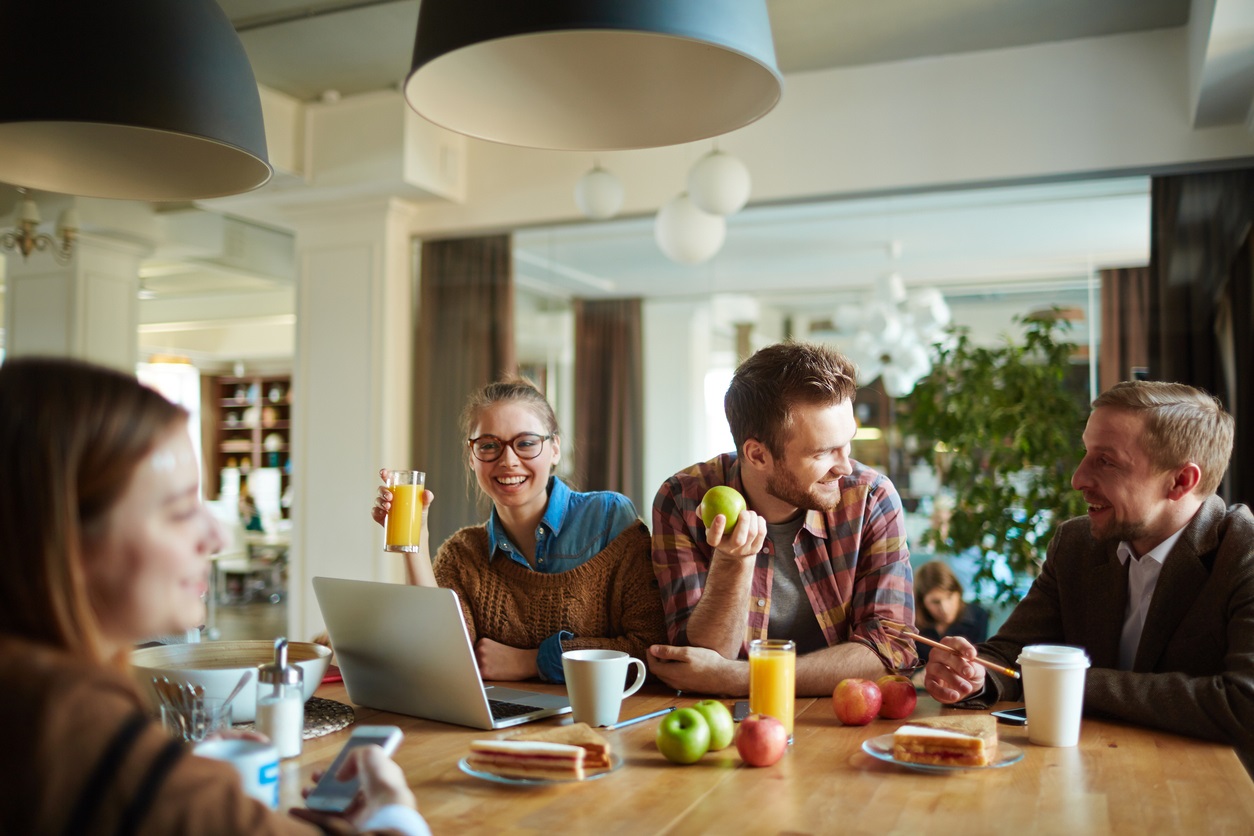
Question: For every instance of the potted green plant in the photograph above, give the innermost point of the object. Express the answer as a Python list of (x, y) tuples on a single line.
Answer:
[(1002, 428)]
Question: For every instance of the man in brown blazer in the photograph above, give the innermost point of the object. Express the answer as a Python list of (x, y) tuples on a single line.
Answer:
[(1156, 583)]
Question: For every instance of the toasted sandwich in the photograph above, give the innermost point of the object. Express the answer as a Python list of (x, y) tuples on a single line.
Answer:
[(596, 748), (527, 759), (951, 740)]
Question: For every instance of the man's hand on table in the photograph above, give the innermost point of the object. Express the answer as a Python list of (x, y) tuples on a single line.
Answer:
[(950, 675), (699, 670)]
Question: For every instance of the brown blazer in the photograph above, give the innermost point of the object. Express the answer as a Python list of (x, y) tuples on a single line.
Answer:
[(1194, 668)]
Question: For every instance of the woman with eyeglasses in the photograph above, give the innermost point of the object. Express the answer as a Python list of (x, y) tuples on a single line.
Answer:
[(552, 569)]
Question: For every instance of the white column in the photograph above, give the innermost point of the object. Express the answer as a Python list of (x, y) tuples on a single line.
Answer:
[(677, 339), (88, 308), (352, 388)]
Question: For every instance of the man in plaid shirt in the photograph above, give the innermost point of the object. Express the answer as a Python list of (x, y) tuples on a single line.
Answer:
[(819, 556)]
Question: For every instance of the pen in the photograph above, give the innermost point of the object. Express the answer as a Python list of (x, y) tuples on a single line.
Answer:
[(641, 718)]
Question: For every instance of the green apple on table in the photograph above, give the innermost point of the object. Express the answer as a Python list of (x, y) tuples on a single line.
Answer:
[(683, 736), (719, 719)]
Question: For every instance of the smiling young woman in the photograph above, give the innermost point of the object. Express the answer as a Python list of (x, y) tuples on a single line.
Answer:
[(105, 543), (552, 569)]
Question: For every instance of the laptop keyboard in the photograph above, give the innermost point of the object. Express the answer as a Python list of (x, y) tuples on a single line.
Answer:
[(502, 710)]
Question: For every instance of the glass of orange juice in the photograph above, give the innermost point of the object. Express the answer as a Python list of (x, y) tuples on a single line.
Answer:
[(405, 516), (773, 679)]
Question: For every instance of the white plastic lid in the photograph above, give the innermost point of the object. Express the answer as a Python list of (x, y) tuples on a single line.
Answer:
[(1054, 656)]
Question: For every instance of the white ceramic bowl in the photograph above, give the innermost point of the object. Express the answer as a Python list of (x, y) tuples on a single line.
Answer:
[(217, 667)]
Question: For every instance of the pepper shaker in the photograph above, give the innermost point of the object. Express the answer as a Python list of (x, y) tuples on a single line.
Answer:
[(281, 702)]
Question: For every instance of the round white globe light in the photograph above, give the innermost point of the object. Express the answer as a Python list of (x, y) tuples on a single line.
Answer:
[(719, 184), (599, 194), (686, 234)]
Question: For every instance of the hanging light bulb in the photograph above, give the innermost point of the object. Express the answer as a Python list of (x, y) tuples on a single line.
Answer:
[(599, 194), (719, 183), (686, 234)]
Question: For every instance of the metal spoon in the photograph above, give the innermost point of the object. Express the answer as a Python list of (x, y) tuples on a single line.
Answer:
[(239, 686)]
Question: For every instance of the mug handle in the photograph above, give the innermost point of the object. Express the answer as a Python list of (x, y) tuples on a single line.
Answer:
[(640, 674)]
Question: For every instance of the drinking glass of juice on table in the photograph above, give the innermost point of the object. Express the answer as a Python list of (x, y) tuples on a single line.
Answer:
[(405, 516), (773, 679)]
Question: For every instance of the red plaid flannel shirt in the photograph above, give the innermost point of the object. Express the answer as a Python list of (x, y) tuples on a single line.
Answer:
[(853, 559)]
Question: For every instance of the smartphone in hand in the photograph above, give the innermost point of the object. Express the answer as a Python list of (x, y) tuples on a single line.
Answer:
[(332, 796)]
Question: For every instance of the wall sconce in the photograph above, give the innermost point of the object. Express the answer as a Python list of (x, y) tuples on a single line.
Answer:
[(25, 239)]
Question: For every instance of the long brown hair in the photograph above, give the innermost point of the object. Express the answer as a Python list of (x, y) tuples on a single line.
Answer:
[(71, 436), (933, 575)]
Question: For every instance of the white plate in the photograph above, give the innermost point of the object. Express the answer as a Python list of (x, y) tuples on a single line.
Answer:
[(882, 747), (616, 762)]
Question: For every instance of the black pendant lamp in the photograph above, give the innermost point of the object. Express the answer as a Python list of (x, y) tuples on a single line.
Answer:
[(593, 75), (133, 99)]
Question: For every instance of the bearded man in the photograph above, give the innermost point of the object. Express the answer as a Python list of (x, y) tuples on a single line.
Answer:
[(1156, 583), (819, 555)]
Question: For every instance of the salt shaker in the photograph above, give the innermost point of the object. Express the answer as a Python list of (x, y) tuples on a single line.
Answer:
[(281, 702)]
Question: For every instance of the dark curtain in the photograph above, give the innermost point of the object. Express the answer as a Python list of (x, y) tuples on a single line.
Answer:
[(465, 340), (609, 410), (1125, 324), (1200, 297)]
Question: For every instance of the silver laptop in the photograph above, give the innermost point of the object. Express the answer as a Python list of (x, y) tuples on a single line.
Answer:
[(405, 649)]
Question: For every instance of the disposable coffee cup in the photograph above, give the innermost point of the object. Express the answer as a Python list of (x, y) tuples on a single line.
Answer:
[(257, 764), (1053, 690), (594, 681)]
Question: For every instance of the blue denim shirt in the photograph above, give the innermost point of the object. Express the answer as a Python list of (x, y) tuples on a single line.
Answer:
[(575, 527)]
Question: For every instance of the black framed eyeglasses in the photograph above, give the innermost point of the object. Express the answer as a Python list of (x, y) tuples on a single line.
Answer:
[(488, 448)]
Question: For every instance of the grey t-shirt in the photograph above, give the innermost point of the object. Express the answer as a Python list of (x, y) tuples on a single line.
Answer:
[(791, 615)]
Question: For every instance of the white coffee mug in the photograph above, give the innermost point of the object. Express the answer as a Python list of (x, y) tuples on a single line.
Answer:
[(1053, 691), (594, 681), (257, 764)]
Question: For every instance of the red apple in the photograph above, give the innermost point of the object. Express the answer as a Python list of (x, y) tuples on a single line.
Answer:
[(899, 696), (762, 740), (856, 701)]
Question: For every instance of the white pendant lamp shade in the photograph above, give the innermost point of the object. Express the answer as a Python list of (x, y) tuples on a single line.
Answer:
[(686, 234), (594, 74), (141, 100), (599, 194), (719, 184)]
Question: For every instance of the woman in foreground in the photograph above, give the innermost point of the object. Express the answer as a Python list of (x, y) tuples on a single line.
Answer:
[(552, 569), (105, 542)]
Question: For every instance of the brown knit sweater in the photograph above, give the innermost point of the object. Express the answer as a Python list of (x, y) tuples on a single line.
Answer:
[(611, 601)]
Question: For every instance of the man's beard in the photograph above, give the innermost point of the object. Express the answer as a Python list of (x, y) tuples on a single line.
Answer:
[(1124, 531), (783, 485)]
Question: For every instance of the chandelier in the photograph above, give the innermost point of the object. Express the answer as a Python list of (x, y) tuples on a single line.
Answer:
[(25, 239)]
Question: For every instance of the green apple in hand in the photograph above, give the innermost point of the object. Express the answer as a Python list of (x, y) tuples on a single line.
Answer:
[(683, 736), (719, 719), (721, 499)]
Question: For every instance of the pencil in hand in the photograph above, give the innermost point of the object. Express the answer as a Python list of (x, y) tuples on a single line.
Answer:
[(904, 633)]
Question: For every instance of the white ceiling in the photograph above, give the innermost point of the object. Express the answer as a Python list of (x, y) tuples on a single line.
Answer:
[(960, 241), (1043, 234), (801, 254), (304, 48)]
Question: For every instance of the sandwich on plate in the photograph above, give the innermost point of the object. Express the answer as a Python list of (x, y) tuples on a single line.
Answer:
[(532, 759), (950, 740), (596, 748)]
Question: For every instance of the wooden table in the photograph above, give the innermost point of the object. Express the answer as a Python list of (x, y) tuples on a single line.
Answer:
[(1120, 779)]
